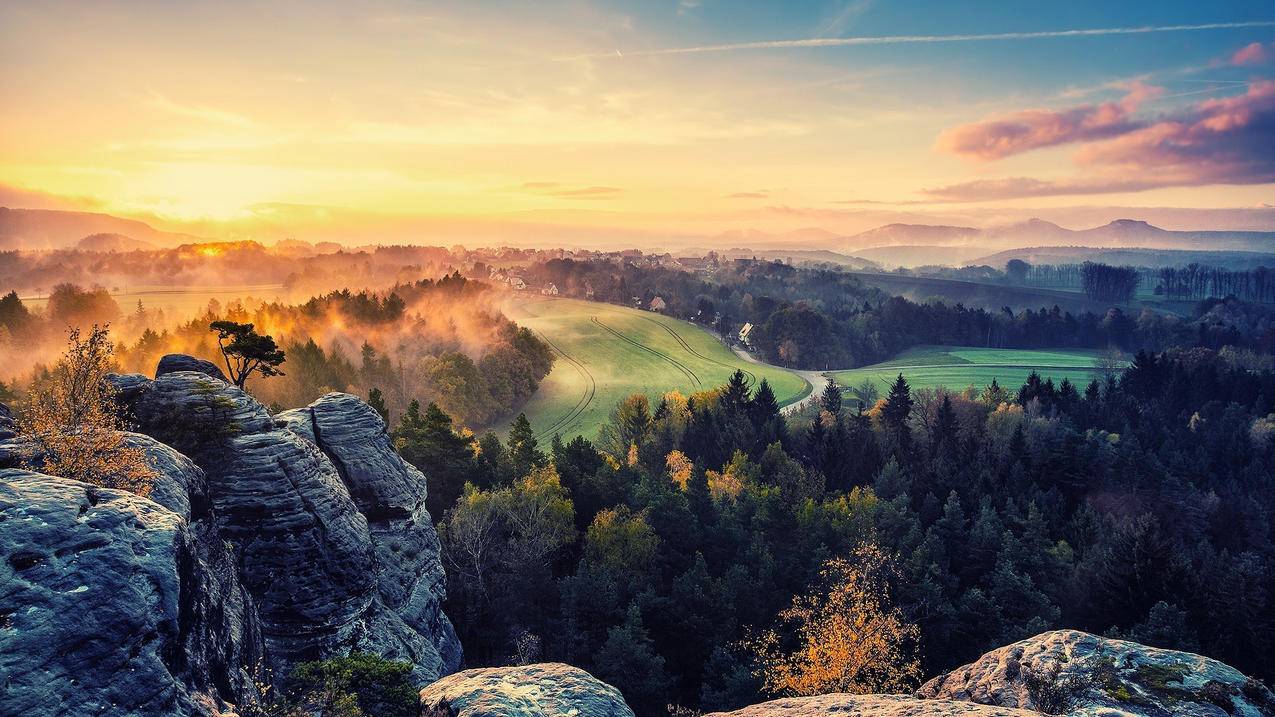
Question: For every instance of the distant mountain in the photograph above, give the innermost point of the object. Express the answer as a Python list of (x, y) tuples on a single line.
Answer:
[(919, 254), (919, 244), (55, 229), (910, 234), (112, 242)]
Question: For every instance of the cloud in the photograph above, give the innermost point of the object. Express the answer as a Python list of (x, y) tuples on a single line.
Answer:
[(1253, 54), (759, 194), (1025, 130), (915, 39), (564, 191), (685, 6), (199, 112), (1216, 141)]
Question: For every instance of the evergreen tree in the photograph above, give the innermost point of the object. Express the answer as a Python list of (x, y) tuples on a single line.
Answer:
[(376, 400), (898, 406), (628, 661), (524, 454), (830, 399), (427, 440)]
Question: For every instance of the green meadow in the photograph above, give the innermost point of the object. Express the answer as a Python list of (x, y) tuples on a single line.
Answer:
[(956, 367), (606, 352)]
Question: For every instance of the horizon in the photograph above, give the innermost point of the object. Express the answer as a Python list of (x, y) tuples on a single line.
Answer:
[(638, 125)]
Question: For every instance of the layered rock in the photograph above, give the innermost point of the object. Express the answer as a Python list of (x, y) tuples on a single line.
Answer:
[(329, 525), (111, 604), (1075, 673), (871, 706), (540, 690), (390, 493)]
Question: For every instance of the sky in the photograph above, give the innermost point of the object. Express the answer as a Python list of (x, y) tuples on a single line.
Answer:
[(675, 117)]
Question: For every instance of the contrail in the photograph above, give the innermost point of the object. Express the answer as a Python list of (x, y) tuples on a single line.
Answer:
[(911, 39)]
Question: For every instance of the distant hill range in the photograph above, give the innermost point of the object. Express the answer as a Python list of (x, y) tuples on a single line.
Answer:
[(54, 229), (916, 244)]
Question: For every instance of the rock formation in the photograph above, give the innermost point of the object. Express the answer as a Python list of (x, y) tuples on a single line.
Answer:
[(871, 706), (329, 524), (171, 363), (543, 690), (1075, 673), (112, 604)]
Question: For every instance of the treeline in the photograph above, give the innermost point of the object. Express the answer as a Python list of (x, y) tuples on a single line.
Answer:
[(1196, 281), (820, 319), (1137, 506)]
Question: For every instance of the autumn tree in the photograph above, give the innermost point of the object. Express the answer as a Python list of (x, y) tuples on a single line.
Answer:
[(72, 425), (246, 351), (848, 636)]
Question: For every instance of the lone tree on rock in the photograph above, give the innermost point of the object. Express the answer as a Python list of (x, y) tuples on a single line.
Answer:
[(246, 351)]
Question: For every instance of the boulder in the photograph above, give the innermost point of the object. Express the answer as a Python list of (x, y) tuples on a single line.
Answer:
[(196, 413), (871, 706), (540, 690), (111, 605), (1075, 673), (172, 363), (390, 493)]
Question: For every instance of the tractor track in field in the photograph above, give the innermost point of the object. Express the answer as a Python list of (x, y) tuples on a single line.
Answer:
[(686, 371), (586, 397), (752, 377)]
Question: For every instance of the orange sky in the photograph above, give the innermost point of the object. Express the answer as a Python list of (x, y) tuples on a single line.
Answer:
[(254, 117)]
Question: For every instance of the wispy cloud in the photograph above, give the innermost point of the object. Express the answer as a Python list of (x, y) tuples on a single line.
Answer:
[(758, 194), (566, 191), (1217, 141), (200, 112), (1025, 130), (915, 39), (1253, 54)]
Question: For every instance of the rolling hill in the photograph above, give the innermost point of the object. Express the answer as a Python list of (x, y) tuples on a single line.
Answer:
[(606, 353)]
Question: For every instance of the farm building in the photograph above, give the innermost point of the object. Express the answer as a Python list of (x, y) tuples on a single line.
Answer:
[(657, 304), (550, 289), (744, 332)]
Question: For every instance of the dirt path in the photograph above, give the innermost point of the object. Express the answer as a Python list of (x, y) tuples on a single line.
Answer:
[(814, 379)]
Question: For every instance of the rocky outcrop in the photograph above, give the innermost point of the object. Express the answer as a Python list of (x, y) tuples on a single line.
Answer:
[(871, 706), (541, 690), (1075, 673), (390, 493), (111, 604), (329, 524), (172, 363)]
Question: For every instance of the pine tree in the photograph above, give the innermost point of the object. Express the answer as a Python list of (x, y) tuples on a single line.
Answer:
[(898, 406), (735, 395), (764, 406), (524, 454), (831, 398), (376, 400), (628, 660), (427, 440)]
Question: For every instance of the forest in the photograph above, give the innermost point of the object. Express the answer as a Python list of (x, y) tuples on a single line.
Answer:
[(671, 557)]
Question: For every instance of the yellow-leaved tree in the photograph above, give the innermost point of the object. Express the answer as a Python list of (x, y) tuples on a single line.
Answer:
[(843, 636), (72, 425)]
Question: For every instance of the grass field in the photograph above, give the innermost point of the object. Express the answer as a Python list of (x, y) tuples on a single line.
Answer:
[(606, 352), (956, 367)]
